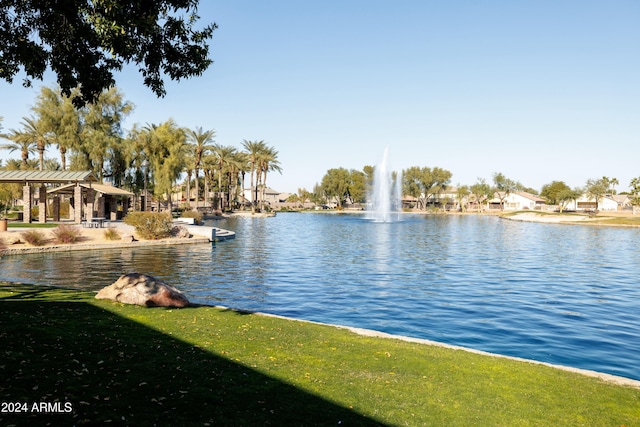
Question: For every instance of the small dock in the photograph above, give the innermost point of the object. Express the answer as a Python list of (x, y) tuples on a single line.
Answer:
[(212, 233)]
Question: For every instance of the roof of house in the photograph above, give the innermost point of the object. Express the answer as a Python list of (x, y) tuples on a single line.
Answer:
[(46, 177)]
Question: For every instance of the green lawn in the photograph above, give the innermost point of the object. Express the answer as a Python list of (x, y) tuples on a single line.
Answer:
[(32, 225), (127, 365), (601, 219)]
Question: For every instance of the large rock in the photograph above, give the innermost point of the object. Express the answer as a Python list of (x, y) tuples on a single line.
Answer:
[(140, 289), (180, 232)]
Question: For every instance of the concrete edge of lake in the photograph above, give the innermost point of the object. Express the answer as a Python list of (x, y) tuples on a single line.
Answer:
[(94, 239)]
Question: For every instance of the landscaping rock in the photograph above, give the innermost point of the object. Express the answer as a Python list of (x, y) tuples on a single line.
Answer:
[(140, 289), (180, 232)]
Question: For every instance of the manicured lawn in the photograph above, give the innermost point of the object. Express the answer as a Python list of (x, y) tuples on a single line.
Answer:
[(128, 365), (32, 225)]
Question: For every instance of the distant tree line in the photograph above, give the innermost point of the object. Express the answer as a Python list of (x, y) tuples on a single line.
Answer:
[(425, 185)]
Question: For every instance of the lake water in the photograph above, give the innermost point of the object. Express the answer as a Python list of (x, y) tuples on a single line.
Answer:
[(562, 294)]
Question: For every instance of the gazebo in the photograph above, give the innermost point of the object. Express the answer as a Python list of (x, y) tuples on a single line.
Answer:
[(72, 178), (102, 200)]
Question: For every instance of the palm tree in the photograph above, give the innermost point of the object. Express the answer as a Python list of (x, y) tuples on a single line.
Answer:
[(19, 143), (238, 166), (200, 142), (223, 156), (254, 150), (268, 163), (34, 132), (188, 159)]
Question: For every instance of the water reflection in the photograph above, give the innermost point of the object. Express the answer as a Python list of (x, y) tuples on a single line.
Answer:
[(562, 294)]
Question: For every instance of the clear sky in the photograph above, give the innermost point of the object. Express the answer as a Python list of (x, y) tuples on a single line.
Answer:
[(537, 90)]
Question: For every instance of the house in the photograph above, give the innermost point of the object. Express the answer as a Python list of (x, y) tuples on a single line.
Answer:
[(610, 202), (516, 201), (271, 196)]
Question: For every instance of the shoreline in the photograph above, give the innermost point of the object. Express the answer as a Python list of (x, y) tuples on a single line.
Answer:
[(610, 378), (91, 239), (603, 376)]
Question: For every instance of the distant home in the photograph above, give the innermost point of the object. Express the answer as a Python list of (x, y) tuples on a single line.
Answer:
[(517, 201), (610, 203), (271, 197)]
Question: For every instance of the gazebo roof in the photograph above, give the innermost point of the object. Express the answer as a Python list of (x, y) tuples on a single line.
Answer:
[(109, 190), (46, 177)]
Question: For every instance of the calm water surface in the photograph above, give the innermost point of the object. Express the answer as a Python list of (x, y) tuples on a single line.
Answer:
[(556, 293)]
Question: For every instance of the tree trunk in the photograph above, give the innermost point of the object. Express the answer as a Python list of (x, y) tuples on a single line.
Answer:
[(197, 187), (188, 198)]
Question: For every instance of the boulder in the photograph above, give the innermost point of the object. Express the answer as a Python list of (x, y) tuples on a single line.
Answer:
[(180, 232), (140, 289)]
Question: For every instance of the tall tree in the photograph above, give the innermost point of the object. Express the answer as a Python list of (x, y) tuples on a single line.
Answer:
[(412, 185), (34, 131), (237, 167), (503, 186), (610, 183), (25, 146), (425, 183), (60, 119), (166, 157), (268, 162), (481, 192), (551, 192), (201, 142), (596, 189), (223, 156), (568, 195), (102, 135), (635, 191), (84, 43), (254, 149), (462, 197), (335, 185), (358, 186)]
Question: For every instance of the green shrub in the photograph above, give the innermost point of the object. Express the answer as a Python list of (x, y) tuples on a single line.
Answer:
[(65, 234), (34, 237), (150, 225), (112, 233), (193, 214)]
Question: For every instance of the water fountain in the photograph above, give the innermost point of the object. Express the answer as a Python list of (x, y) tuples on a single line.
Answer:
[(385, 199)]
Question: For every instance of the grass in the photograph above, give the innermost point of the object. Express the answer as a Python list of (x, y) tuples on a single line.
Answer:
[(128, 365), (66, 234), (32, 225), (112, 233), (621, 220), (601, 219), (34, 237)]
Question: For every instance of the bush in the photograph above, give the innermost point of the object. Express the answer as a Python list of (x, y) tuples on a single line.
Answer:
[(65, 234), (34, 237), (150, 225), (193, 214), (112, 233)]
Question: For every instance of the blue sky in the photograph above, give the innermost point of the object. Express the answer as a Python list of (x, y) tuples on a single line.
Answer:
[(537, 90)]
